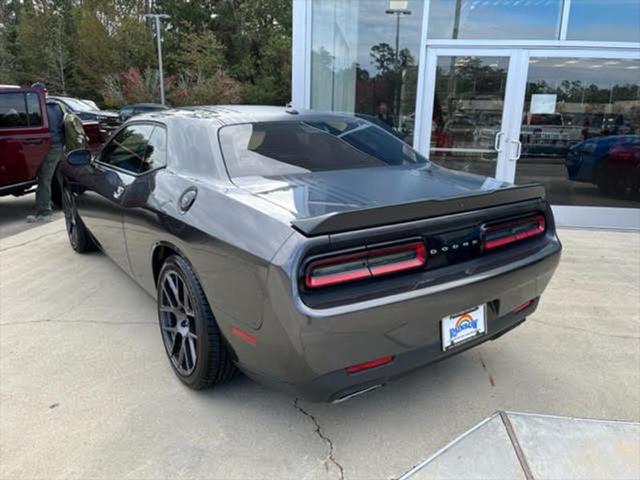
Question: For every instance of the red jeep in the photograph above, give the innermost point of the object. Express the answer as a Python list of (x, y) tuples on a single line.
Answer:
[(25, 139)]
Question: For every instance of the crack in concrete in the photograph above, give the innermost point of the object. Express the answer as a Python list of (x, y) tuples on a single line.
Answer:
[(586, 330), (493, 384), (319, 432), (54, 320), (11, 247)]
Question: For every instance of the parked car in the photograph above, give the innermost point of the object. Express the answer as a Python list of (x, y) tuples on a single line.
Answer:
[(93, 105), (109, 121), (541, 135), (313, 251), (129, 111), (547, 135), (612, 163), (25, 139)]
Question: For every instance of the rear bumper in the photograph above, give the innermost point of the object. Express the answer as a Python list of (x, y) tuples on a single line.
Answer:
[(338, 385), (307, 355)]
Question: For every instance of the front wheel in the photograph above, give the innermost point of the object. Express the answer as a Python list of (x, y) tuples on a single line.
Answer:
[(79, 237), (192, 339)]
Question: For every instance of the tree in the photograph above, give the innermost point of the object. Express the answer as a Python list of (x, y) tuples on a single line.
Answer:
[(95, 57), (105, 49)]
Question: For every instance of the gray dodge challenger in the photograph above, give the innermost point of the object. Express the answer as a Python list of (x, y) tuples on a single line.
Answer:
[(315, 252)]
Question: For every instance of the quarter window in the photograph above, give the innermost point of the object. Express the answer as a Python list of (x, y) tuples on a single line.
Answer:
[(128, 149), (156, 151)]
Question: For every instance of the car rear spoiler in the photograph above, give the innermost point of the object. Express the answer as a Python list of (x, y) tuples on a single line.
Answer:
[(405, 212)]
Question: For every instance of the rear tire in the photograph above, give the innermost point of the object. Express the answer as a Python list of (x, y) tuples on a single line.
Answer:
[(192, 339), (79, 237)]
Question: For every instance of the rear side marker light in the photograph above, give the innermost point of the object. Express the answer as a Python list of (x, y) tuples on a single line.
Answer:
[(367, 365), (522, 306), (365, 264), (500, 235), (250, 339)]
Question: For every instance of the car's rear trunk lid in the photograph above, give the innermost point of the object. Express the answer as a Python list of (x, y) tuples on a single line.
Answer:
[(340, 200), (421, 209)]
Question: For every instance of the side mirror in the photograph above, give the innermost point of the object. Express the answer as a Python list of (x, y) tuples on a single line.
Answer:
[(79, 158)]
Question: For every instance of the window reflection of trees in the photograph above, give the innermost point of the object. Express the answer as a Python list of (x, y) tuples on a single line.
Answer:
[(386, 97)]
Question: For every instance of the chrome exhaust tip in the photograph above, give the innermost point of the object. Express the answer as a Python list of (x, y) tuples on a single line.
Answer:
[(355, 394)]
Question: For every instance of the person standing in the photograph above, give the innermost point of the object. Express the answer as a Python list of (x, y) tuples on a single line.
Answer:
[(383, 115), (48, 166)]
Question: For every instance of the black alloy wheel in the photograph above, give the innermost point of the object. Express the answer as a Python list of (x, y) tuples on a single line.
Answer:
[(198, 352), (178, 323), (79, 237)]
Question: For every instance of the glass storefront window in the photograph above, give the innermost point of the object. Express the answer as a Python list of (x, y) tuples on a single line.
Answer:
[(613, 20), (580, 131), (495, 19), (364, 60)]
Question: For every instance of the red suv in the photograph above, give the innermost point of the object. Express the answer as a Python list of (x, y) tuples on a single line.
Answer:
[(25, 139)]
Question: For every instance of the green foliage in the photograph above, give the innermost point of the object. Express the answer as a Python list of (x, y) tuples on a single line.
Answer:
[(215, 51)]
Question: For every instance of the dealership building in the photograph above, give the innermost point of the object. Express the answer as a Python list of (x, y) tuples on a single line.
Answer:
[(522, 90)]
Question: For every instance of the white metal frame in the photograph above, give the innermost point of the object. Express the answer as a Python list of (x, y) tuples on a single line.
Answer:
[(564, 19), (426, 97), (301, 53)]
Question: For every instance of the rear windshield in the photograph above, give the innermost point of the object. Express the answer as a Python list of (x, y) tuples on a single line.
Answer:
[(285, 148)]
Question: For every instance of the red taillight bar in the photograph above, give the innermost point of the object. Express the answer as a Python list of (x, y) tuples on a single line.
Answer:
[(522, 306), (250, 339), (365, 264), (367, 365), (511, 232)]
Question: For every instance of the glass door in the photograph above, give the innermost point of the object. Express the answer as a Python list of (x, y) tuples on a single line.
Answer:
[(470, 129)]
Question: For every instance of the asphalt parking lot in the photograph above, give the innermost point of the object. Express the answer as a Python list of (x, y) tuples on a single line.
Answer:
[(86, 390)]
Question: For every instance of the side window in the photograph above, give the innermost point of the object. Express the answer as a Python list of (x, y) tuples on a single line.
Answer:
[(13, 111), (156, 153), (128, 149), (33, 110)]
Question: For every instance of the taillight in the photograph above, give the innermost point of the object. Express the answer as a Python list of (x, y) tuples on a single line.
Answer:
[(522, 306), (378, 362), (503, 234), (365, 264)]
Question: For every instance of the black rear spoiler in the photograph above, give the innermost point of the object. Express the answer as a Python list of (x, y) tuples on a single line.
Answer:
[(405, 212)]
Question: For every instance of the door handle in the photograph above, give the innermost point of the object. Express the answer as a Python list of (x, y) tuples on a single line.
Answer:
[(32, 141), (118, 192), (496, 143), (518, 149)]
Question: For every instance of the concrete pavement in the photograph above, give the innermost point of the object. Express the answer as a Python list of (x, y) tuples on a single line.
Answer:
[(526, 446), (86, 390), (14, 211)]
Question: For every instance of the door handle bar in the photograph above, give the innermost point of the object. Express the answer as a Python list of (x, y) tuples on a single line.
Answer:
[(518, 150), (496, 143)]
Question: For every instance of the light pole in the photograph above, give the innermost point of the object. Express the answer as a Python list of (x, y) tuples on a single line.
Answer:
[(398, 8), (157, 17)]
